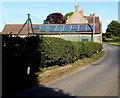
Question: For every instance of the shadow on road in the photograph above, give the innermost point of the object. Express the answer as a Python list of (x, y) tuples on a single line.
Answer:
[(43, 91)]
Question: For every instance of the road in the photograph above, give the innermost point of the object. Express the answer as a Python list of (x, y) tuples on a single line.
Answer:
[(97, 79)]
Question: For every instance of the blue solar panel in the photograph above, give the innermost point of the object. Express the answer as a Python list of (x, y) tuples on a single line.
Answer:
[(51, 28), (82, 28), (67, 28), (44, 28), (59, 28), (36, 27), (63, 28), (74, 28)]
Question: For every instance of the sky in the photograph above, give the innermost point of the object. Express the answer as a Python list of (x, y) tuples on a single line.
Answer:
[(16, 12)]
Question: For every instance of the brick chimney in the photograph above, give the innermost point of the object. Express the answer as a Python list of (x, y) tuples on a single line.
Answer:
[(81, 12), (92, 14)]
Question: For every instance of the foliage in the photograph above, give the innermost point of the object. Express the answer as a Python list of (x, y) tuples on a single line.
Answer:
[(54, 18), (113, 29), (112, 32), (68, 15), (56, 51), (113, 43), (104, 38)]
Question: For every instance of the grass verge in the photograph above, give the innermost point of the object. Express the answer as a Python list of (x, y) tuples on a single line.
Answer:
[(57, 72), (112, 43)]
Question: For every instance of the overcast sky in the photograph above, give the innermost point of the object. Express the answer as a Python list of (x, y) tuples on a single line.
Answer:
[(15, 12)]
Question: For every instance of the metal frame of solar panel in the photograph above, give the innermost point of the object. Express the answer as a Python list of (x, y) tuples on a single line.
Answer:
[(64, 28)]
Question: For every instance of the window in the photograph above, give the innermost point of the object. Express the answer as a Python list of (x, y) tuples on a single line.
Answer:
[(85, 40)]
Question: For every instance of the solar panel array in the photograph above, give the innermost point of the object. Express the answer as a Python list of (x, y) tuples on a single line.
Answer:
[(63, 28)]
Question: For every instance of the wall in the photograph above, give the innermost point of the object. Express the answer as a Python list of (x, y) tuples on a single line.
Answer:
[(98, 38), (72, 37)]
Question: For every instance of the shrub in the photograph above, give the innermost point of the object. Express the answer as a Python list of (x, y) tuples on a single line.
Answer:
[(49, 51), (57, 51)]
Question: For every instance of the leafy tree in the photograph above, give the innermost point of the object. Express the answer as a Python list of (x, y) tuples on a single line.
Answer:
[(68, 15), (113, 29), (54, 18)]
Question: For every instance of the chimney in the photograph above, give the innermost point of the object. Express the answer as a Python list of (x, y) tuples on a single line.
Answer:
[(92, 14), (81, 12)]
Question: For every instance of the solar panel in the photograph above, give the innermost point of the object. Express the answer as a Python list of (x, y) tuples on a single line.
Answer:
[(59, 28), (51, 28), (63, 28), (67, 28), (82, 28), (36, 27), (74, 28), (44, 28)]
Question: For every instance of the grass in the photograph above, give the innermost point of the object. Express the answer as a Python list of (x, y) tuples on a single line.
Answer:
[(113, 43), (52, 67), (74, 66)]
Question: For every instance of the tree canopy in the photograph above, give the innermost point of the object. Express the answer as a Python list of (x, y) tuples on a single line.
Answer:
[(113, 29), (54, 18), (68, 15)]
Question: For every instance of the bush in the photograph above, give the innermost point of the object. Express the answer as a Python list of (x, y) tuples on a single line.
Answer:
[(56, 51)]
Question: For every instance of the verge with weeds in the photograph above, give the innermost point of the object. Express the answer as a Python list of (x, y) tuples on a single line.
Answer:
[(113, 43), (55, 72)]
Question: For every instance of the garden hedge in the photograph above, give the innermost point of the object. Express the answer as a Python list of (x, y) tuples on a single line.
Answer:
[(57, 51), (49, 51)]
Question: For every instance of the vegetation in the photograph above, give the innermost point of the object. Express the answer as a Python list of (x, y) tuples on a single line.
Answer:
[(54, 18), (56, 51), (57, 18), (68, 15), (112, 32), (113, 43)]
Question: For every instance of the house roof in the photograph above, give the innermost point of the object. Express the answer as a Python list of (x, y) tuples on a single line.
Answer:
[(76, 18), (14, 28)]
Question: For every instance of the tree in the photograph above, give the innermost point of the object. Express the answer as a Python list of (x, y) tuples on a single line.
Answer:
[(54, 18), (68, 15), (113, 29)]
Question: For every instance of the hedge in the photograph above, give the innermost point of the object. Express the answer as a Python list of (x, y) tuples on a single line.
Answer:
[(49, 51), (57, 51)]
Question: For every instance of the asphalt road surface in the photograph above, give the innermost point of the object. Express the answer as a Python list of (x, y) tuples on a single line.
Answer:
[(97, 79)]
